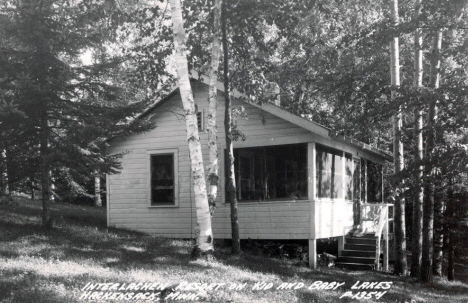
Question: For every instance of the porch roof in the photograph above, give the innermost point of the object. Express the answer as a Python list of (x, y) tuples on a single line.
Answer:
[(279, 112)]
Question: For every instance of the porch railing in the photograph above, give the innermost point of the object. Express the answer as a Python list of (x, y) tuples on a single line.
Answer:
[(378, 217)]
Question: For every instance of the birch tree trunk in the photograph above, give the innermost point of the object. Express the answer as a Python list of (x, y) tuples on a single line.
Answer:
[(213, 176), (52, 187), (33, 190), (4, 174), (204, 242), (416, 246), (400, 234), (231, 180), (97, 191), (429, 188)]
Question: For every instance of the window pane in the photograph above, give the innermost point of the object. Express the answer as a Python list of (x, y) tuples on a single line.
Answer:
[(162, 179)]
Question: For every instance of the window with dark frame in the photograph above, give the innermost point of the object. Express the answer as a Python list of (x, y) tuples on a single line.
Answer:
[(200, 120), (162, 179)]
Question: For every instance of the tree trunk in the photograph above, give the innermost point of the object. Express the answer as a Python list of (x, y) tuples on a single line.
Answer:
[(450, 229), (231, 180), (4, 174), (213, 177), (428, 208), (52, 187), (416, 246), (451, 258), (400, 234), (45, 171), (97, 191), (438, 235), (204, 244), (9, 173), (33, 187)]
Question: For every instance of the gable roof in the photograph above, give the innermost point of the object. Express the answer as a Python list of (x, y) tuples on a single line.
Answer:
[(279, 112)]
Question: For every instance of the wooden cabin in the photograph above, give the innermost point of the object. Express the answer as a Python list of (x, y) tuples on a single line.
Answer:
[(295, 178)]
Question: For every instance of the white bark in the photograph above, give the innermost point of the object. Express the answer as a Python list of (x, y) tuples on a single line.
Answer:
[(52, 187), (205, 234), (213, 176), (97, 191), (4, 173), (400, 235), (419, 192)]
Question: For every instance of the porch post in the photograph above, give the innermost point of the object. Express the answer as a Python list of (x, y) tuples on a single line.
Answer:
[(385, 252), (311, 171), (365, 181), (341, 239), (382, 181), (311, 192), (313, 253)]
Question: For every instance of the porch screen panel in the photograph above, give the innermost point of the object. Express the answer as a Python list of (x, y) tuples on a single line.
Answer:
[(363, 180), (374, 182), (357, 180), (271, 172), (357, 191), (330, 175), (349, 177)]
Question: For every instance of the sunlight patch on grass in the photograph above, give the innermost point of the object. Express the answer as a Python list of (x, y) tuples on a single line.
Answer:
[(51, 267), (134, 248), (111, 260)]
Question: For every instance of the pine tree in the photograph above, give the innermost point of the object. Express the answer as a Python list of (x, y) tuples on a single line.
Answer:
[(61, 125)]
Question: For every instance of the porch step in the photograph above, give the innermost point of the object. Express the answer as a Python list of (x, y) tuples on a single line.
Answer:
[(356, 240), (354, 266), (365, 236), (357, 253), (361, 247)]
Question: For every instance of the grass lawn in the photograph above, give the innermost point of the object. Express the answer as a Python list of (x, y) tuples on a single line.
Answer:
[(53, 266)]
